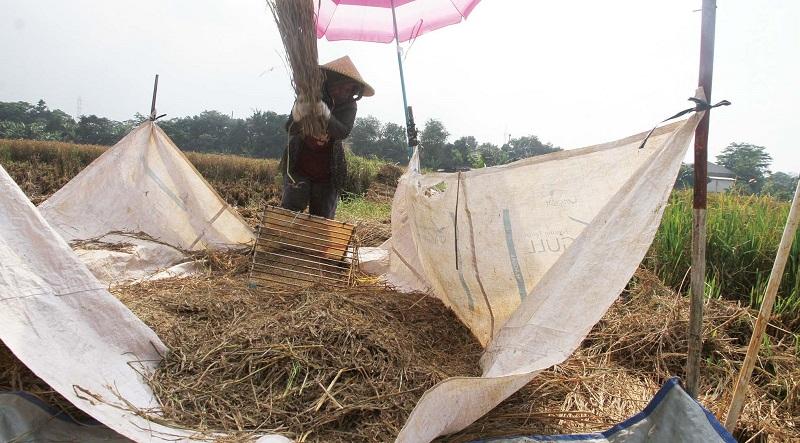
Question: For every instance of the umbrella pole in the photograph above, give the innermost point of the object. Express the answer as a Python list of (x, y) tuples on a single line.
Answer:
[(699, 202), (402, 81)]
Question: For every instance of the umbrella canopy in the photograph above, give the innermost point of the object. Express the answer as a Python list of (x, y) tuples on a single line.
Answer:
[(373, 20)]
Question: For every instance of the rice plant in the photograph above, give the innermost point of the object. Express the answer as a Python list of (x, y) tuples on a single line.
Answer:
[(743, 232)]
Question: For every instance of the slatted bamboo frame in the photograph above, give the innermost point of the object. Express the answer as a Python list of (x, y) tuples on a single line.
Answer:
[(301, 250)]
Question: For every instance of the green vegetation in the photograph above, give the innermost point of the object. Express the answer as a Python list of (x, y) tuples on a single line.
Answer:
[(358, 209), (743, 234), (360, 173), (370, 137), (750, 164), (263, 135)]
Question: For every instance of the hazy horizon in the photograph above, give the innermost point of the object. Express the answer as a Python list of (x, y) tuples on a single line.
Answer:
[(572, 74)]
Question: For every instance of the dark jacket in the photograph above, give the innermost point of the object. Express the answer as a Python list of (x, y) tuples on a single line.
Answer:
[(343, 117)]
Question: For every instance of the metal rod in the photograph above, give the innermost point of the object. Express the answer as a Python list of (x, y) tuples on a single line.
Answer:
[(153, 105), (402, 78), (285, 213), (268, 241), (699, 201), (740, 389)]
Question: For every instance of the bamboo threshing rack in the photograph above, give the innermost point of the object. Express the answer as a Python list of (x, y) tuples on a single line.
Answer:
[(299, 249)]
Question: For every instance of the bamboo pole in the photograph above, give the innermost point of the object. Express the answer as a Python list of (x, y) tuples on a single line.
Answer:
[(742, 382), (153, 104), (699, 202)]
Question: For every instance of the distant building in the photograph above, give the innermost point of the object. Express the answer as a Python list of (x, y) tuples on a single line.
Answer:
[(720, 178)]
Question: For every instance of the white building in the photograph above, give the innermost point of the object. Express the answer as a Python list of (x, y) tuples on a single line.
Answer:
[(720, 178)]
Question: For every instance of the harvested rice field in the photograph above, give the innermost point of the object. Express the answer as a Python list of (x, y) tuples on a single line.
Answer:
[(324, 365), (315, 365)]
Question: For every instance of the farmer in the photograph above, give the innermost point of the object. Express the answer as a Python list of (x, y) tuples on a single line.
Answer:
[(314, 169)]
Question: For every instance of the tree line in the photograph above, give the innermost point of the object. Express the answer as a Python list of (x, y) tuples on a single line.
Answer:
[(371, 137), (263, 135), (260, 135), (750, 163)]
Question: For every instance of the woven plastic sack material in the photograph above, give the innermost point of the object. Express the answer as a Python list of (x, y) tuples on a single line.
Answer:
[(144, 184), (62, 323), (529, 255), (26, 419), (121, 259)]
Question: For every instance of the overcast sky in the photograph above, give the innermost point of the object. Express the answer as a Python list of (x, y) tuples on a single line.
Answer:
[(574, 73)]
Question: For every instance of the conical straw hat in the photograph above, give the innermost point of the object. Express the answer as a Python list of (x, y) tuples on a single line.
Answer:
[(345, 67)]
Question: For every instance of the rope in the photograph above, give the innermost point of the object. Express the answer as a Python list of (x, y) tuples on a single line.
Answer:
[(700, 105)]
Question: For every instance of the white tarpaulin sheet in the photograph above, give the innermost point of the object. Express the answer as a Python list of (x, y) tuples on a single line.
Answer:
[(62, 323), (143, 185), (529, 255)]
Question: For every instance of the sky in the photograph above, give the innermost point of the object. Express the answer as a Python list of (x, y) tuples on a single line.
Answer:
[(574, 73)]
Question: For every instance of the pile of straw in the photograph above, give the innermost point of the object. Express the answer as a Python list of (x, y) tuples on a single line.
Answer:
[(384, 184), (297, 26), (349, 366), (372, 233), (313, 365), (633, 350)]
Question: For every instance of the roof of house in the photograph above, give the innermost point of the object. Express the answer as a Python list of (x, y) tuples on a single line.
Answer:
[(715, 170)]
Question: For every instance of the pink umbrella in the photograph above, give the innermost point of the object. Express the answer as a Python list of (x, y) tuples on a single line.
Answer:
[(384, 21)]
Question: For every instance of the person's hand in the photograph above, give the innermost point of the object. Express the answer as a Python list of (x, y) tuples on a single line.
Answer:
[(320, 141), (323, 110), (300, 109)]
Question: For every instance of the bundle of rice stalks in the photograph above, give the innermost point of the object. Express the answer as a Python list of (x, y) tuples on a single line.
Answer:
[(297, 26)]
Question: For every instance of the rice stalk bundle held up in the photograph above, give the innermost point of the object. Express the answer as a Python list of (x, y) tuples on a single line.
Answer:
[(296, 24)]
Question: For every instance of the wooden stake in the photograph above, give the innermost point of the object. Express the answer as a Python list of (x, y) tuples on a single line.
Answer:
[(153, 105), (696, 303), (699, 202), (740, 390)]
